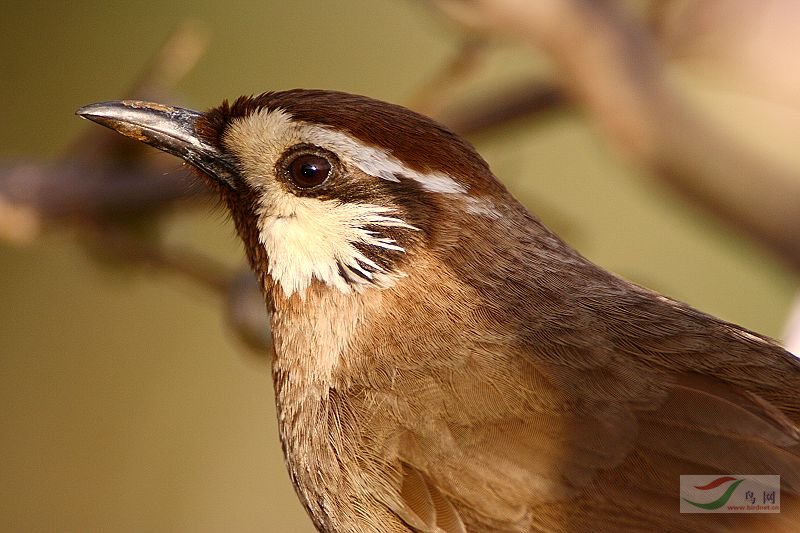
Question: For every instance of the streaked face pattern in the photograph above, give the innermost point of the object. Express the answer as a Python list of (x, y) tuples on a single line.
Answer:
[(332, 207)]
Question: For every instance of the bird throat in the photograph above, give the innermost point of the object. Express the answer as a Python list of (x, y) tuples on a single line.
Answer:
[(311, 335)]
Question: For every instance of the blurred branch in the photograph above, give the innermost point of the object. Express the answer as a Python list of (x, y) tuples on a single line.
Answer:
[(132, 249), (611, 65), (436, 96), (245, 311), (432, 96), (177, 57), (78, 189), (110, 184), (505, 106)]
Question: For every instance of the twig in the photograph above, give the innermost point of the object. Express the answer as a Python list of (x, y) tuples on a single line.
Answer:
[(175, 58), (77, 189), (200, 268), (432, 96), (504, 106)]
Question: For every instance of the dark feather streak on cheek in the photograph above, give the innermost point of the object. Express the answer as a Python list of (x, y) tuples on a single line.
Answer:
[(414, 205), (387, 260)]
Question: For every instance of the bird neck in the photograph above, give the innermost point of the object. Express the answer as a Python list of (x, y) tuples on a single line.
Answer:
[(312, 330), (311, 334)]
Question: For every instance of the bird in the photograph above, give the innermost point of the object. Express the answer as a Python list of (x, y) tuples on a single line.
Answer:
[(443, 362)]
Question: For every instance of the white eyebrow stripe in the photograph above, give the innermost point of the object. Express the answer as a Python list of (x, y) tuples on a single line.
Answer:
[(481, 207), (371, 160), (382, 164), (441, 183), (377, 161)]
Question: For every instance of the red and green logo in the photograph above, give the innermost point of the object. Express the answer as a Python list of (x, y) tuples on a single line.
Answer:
[(723, 499), (730, 493)]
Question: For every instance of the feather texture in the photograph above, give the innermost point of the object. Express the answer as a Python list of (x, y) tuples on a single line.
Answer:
[(493, 380), (554, 398)]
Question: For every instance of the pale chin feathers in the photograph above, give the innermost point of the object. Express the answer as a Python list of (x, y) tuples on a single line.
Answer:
[(307, 239)]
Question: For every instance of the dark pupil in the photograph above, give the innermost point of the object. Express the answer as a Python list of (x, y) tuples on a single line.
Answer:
[(309, 170)]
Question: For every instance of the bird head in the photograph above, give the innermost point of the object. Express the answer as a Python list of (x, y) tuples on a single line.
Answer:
[(327, 188)]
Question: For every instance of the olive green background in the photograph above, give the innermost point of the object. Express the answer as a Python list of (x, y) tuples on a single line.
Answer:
[(126, 404)]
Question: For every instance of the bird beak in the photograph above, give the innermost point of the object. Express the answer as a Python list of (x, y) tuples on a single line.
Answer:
[(171, 129)]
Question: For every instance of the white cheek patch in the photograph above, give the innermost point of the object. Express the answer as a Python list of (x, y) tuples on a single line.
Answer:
[(307, 239)]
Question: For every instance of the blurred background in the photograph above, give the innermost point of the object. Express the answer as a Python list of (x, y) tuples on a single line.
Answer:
[(134, 395)]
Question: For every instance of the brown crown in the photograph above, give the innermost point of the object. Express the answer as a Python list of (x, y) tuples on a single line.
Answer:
[(419, 142)]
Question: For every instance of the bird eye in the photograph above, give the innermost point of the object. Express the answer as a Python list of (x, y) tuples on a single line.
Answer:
[(309, 170)]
